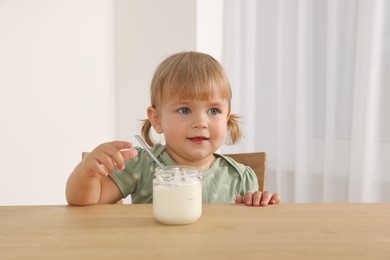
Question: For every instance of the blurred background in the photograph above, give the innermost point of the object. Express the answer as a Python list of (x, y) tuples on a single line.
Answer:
[(310, 81)]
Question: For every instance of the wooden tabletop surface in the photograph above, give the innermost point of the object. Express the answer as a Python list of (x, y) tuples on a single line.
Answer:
[(225, 231)]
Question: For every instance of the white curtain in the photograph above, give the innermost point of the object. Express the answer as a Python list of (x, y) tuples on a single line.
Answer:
[(311, 82)]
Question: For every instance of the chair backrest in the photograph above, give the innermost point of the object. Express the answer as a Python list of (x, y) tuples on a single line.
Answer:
[(257, 161), (84, 155)]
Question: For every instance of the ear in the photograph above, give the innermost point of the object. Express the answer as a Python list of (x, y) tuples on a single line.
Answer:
[(154, 119)]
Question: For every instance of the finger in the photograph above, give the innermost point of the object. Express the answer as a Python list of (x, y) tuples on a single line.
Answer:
[(248, 198), (106, 160), (103, 170), (265, 198), (124, 155), (121, 144), (256, 198), (275, 199), (114, 151), (129, 153), (94, 166), (239, 199), (117, 159)]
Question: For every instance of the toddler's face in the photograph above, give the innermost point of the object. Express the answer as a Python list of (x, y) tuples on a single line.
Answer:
[(194, 129)]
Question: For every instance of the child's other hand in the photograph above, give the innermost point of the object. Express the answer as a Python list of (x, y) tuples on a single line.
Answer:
[(258, 198), (103, 159)]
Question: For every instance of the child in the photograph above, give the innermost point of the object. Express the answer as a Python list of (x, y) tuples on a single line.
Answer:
[(190, 105)]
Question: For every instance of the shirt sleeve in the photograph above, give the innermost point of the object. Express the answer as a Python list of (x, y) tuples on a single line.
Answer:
[(248, 178), (249, 181)]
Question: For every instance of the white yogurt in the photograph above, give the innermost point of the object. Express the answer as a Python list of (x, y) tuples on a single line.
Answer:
[(177, 195)]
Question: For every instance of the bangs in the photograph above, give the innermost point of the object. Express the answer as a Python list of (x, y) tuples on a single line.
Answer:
[(190, 76), (198, 88)]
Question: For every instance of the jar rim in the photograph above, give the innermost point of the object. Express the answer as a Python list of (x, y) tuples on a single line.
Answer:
[(177, 174), (178, 167)]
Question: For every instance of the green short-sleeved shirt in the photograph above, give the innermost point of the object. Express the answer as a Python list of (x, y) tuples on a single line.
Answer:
[(221, 182)]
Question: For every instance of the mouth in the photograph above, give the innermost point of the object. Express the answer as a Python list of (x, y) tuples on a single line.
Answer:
[(198, 139)]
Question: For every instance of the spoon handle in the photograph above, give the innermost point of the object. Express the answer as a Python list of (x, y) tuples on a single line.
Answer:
[(147, 149)]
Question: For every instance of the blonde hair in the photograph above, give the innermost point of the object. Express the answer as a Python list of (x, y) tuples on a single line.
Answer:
[(191, 75)]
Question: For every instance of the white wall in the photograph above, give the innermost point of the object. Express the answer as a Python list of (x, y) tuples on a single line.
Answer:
[(74, 74), (146, 33), (209, 33), (56, 83)]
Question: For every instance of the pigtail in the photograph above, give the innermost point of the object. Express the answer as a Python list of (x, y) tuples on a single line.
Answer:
[(234, 129), (145, 132)]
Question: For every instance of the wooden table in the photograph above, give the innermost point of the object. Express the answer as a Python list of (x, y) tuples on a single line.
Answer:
[(284, 231)]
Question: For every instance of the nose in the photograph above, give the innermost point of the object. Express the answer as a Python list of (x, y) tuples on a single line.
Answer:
[(199, 125), (200, 122)]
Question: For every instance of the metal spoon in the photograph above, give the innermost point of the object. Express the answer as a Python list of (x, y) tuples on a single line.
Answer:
[(147, 149)]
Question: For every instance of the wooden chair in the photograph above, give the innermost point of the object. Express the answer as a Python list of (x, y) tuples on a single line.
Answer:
[(257, 161)]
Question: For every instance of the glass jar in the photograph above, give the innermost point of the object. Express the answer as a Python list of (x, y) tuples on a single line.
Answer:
[(177, 195)]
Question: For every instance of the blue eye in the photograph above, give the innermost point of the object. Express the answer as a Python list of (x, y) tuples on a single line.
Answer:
[(213, 111), (184, 110)]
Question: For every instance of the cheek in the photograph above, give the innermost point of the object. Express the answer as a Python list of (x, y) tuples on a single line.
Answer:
[(173, 132), (171, 125), (221, 129)]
